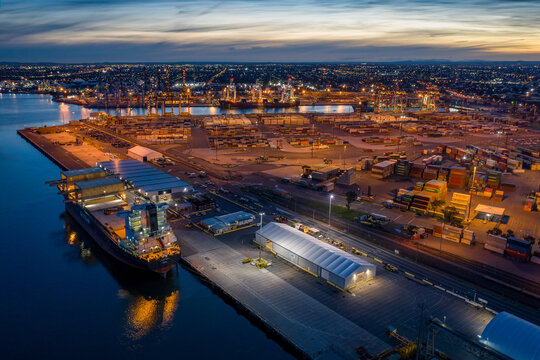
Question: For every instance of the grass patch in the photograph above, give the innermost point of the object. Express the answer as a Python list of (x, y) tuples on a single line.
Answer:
[(337, 210)]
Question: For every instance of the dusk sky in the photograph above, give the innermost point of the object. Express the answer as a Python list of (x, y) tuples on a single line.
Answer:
[(269, 31)]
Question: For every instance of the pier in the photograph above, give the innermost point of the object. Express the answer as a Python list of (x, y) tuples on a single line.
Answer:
[(313, 328), (56, 154)]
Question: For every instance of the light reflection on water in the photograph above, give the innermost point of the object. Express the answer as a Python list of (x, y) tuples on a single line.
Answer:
[(150, 301)]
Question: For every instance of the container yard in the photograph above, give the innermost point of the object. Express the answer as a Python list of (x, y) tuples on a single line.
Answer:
[(314, 180)]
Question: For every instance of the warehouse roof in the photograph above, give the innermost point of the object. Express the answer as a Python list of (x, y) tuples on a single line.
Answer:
[(97, 183), (512, 336), (92, 170), (143, 176), (320, 253), (236, 216), (143, 151)]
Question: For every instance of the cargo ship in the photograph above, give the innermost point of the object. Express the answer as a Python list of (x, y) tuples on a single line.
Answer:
[(244, 104), (129, 227)]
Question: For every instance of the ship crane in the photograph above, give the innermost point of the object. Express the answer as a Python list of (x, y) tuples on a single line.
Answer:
[(230, 91), (287, 92), (427, 101), (256, 93)]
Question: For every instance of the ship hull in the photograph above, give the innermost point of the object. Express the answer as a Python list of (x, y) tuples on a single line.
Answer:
[(224, 104), (105, 241)]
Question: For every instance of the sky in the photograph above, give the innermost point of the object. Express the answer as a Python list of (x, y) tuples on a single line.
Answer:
[(74, 31)]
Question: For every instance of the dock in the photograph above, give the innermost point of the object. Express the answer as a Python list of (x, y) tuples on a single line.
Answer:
[(56, 154), (310, 326)]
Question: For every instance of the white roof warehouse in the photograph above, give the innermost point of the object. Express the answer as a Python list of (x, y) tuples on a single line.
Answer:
[(338, 267)]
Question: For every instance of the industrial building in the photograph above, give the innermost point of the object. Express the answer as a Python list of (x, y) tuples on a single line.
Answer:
[(142, 153), (513, 337), (336, 266), (224, 223), (149, 181)]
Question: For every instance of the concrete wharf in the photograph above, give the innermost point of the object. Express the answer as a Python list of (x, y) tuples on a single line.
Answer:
[(56, 154), (316, 330)]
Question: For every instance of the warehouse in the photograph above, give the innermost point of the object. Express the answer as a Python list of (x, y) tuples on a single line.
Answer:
[(513, 337), (142, 153), (224, 223), (336, 266)]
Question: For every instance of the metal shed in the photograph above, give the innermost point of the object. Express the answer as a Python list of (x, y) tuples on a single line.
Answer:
[(227, 222), (513, 337), (142, 153), (336, 266)]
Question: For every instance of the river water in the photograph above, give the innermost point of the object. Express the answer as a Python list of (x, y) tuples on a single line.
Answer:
[(62, 298)]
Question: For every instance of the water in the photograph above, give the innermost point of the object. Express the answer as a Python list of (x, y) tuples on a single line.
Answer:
[(70, 112), (62, 299)]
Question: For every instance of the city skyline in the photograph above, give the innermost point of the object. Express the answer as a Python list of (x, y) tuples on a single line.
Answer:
[(255, 31)]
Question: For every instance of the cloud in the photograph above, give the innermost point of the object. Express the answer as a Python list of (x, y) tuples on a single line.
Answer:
[(260, 28)]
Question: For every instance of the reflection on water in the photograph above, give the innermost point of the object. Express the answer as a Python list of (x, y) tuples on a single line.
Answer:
[(151, 301), (146, 314), (215, 110)]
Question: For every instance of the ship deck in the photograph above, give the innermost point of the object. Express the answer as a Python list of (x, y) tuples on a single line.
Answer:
[(111, 221)]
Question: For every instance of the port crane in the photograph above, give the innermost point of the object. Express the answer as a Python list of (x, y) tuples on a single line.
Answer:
[(230, 91)]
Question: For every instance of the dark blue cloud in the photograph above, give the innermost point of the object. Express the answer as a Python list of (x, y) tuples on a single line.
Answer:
[(258, 30)]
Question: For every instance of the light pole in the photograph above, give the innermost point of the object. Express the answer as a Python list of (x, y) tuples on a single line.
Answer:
[(470, 196), (260, 224), (260, 227), (330, 209)]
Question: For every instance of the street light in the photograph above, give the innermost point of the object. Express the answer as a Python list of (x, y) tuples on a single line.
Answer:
[(330, 209), (260, 227), (470, 195), (261, 214)]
